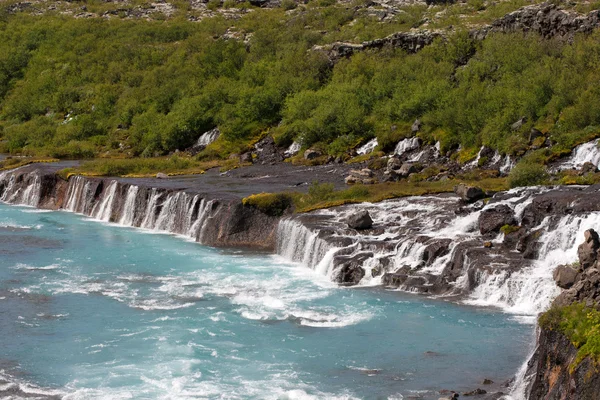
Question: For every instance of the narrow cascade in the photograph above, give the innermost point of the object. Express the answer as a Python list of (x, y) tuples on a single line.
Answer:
[(407, 145), (584, 153), (293, 149), (368, 147), (532, 289), (128, 213), (298, 243), (103, 210), (208, 137)]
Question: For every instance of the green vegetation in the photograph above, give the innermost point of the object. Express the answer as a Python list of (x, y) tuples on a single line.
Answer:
[(324, 195), (74, 88), (274, 204), (527, 173), (148, 167), (580, 324), (508, 229)]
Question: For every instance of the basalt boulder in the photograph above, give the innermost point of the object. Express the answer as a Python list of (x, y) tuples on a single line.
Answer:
[(492, 219), (469, 194), (588, 250), (565, 276), (360, 220)]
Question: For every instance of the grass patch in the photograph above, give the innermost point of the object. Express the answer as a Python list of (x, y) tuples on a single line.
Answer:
[(12, 163), (580, 324), (146, 167), (324, 196), (274, 204)]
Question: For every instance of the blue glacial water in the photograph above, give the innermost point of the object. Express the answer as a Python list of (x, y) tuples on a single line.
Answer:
[(98, 311)]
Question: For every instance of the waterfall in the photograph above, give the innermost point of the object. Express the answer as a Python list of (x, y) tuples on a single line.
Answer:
[(154, 209), (367, 147), (128, 212), (15, 193), (208, 137), (103, 209), (587, 152), (408, 144), (293, 149), (298, 243)]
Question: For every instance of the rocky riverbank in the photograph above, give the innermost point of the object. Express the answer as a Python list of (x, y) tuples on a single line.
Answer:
[(556, 370)]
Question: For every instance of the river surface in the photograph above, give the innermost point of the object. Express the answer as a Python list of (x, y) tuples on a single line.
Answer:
[(91, 310)]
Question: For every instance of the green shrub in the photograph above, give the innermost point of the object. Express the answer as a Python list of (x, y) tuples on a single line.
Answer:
[(273, 204), (580, 324), (527, 174)]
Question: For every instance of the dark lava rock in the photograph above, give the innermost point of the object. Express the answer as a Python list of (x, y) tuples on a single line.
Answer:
[(492, 219), (588, 168), (469, 194), (360, 220), (565, 276), (438, 248), (487, 382), (311, 154), (349, 267), (588, 250), (407, 168), (393, 279), (475, 392), (246, 158)]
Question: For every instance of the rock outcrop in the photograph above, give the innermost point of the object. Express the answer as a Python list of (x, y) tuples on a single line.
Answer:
[(555, 370)]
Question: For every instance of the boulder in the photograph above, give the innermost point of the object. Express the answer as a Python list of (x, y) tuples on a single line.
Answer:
[(588, 250), (565, 276), (588, 168), (393, 279), (350, 274), (246, 158), (469, 194), (416, 126), (394, 164), (487, 381), (492, 219), (475, 392), (407, 168), (349, 267), (534, 134), (162, 175), (435, 250), (311, 154), (518, 124), (360, 220)]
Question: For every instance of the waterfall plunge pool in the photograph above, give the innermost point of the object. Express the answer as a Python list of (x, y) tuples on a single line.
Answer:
[(90, 310)]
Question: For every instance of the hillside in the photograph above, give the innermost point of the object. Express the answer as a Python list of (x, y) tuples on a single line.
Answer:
[(133, 79)]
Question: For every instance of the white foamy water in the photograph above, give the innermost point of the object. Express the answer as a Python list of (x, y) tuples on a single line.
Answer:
[(406, 145), (587, 152), (367, 147)]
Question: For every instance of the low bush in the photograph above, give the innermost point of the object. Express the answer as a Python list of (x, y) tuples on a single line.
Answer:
[(527, 173)]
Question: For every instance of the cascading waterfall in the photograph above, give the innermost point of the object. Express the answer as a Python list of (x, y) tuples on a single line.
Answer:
[(405, 145), (367, 147), (103, 209), (298, 243), (586, 152), (153, 209), (414, 223), (128, 214)]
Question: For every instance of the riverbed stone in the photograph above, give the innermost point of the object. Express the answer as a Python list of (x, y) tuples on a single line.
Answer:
[(360, 220), (468, 193), (492, 219), (565, 276), (588, 250)]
